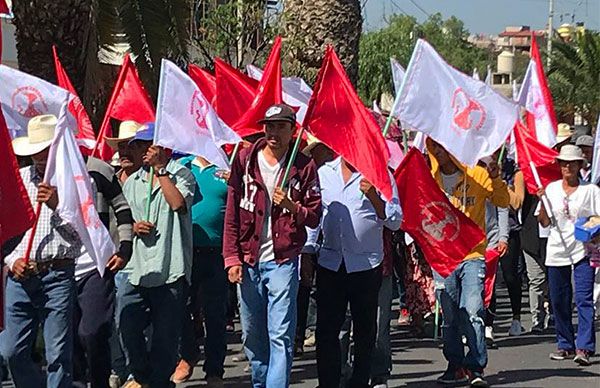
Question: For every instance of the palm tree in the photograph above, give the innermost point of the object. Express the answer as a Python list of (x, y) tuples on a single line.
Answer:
[(575, 77), (312, 24)]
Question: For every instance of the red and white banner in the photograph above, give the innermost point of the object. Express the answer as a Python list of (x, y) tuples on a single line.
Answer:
[(466, 116)]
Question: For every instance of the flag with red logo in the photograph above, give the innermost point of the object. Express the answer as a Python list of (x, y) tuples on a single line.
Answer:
[(129, 101), (296, 92), (16, 213), (338, 118), (444, 233), (185, 120), (86, 137), (235, 92), (67, 171), (466, 116), (535, 96), (268, 94), (530, 150), (205, 81), (24, 96)]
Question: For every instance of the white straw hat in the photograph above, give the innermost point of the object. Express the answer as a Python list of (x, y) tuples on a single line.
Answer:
[(564, 132), (570, 153), (40, 133), (127, 130)]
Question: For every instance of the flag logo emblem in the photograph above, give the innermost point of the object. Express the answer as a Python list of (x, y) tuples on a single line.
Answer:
[(468, 113), (199, 110), (88, 208), (28, 102), (440, 229)]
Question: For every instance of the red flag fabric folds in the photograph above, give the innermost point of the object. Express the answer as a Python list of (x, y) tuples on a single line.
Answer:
[(544, 158), (205, 81), (86, 138), (269, 93), (338, 118), (16, 212), (235, 92), (129, 101), (444, 233)]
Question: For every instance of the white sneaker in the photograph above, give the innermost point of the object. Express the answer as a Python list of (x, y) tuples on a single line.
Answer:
[(515, 328), (380, 386), (489, 333)]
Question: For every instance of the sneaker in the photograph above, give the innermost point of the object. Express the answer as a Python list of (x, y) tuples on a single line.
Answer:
[(230, 327), (182, 373), (214, 382), (114, 381), (404, 318), (476, 379), (131, 383), (453, 376), (537, 330), (240, 357), (561, 354), (489, 337), (515, 328), (380, 386), (310, 341), (582, 358)]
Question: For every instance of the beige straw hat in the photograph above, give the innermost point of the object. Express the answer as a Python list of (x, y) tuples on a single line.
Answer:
[(127, 130), (40, 133)]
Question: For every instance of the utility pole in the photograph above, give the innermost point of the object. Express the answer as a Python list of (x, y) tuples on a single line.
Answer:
[(550, 31)]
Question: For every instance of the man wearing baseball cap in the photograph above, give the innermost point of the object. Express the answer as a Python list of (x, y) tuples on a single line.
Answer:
[(586, 144), (264, 233), (160, 265)]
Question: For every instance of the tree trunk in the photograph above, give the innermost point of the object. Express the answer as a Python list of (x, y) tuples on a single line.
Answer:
[(312, 24)]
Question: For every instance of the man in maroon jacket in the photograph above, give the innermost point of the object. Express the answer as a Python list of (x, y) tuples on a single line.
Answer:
[(263, 235)]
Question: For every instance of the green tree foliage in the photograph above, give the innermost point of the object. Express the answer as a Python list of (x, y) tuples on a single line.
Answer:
[(449, 37), (574, 77)]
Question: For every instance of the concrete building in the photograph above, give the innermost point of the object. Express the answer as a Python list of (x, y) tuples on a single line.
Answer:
[(519, 38)]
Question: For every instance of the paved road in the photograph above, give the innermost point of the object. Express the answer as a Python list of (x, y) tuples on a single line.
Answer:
[(518, 362)]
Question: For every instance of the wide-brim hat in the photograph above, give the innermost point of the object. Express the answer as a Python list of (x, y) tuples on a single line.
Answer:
[(40, 133), (564, 132), (570, 153), (127, 130)]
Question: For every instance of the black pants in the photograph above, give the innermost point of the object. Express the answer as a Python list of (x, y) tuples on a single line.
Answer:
[(509, 265), (334, 291), (303, 304), (93, 322)]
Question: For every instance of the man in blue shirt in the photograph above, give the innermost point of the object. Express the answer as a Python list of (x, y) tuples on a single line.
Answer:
[(209, 284), (349, 266)]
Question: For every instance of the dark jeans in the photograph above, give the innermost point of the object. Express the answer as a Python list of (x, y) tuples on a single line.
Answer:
[(561, 297), (334, 291), (163, 307), (208, 291), (509, 264), (46, 300), (92, 325), (303, 304)]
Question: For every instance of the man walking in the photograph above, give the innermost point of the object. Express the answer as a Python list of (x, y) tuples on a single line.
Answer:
[(263, 236), (160, 266), (349, 267)]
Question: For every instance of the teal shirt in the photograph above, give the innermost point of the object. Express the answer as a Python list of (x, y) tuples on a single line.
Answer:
[(208, 209), (165, 255)]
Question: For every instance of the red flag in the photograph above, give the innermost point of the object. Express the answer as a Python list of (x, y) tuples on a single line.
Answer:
[(205, 81), (16, 213), (338, 118), (86, 138), (444, 233), (269, 93), (4, 7), (235, 92), (129, 101), (492, 257), (544, 158)]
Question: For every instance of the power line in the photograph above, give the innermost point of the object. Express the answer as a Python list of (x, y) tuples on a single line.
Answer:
[(398, 7), (420, 8)]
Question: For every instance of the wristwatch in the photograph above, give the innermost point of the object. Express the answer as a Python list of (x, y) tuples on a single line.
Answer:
[(161, 172)]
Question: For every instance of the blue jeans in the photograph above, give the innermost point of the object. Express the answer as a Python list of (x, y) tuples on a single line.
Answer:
[(47, 300), (209, 291), (461, 297), (268, 313), (561, 296), (162, 307), (381, 362)]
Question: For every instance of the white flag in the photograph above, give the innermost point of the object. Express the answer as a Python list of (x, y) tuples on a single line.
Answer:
[(24, 96), (464, 115), (476, 74), (67, 171), (398, 73), (295, 91), (596, 159), (532, 98), (186, 121)]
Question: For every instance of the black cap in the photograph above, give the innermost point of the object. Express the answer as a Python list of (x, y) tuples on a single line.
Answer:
[(279, 112)]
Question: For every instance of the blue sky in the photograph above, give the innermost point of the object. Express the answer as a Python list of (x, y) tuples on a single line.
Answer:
[(487, 16)]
